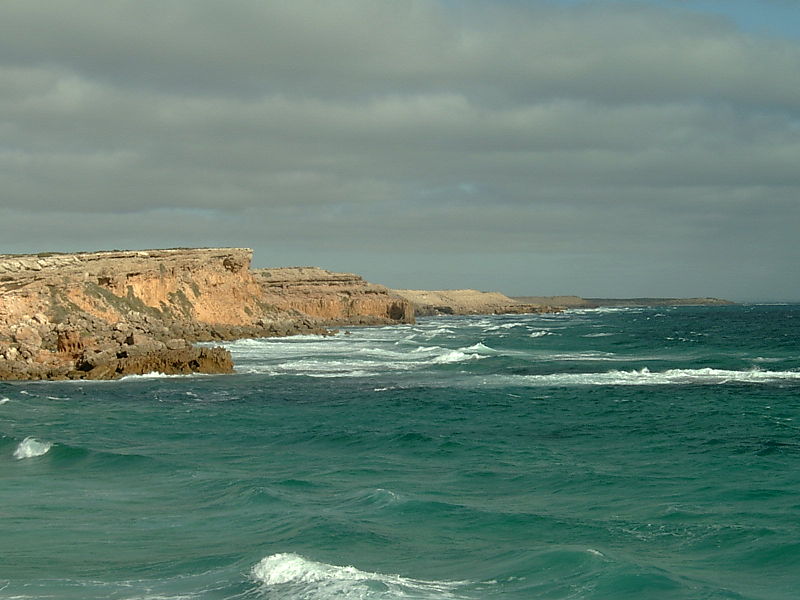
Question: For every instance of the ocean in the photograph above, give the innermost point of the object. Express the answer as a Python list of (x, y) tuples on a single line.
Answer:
[(594, 454)]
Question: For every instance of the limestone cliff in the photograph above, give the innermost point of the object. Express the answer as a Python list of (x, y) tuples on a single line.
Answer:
[(468, 302), (334, 299), (108, 314)]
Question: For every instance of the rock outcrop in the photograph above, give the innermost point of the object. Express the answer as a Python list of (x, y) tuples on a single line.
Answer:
[(101, 315), (469, 302), (334, 299)]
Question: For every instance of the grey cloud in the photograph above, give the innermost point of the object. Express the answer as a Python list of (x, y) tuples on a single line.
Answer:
[(621, 53), (539, 136)]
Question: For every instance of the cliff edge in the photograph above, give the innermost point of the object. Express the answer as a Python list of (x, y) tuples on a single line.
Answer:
[(469, 302), (333, 299), (102, 315)]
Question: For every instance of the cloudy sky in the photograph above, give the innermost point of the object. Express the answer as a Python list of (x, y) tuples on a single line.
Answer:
[(630, 148)]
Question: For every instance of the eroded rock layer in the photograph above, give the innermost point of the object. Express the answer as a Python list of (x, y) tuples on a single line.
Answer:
[(334, 299), (468, 302), (103, 315)]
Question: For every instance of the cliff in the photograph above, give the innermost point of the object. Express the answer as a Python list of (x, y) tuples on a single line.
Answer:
[(333, 299), (468, 302), (102, 315)]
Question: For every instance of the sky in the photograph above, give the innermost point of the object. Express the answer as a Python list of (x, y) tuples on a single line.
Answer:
[(598, 148)]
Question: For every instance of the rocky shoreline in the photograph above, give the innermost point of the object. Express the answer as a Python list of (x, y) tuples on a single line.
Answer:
[(105, 315)]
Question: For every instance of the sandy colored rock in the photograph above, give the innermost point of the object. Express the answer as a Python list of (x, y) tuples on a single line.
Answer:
[(107, 314), (468, 302), (333, 298)]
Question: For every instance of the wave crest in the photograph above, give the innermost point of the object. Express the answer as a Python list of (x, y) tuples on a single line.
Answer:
[(31, 447), (293, 576), (670, 377), (455, 356)]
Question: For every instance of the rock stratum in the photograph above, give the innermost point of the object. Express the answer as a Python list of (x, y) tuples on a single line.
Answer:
[(473, 302), (104, 315), (470, 302)]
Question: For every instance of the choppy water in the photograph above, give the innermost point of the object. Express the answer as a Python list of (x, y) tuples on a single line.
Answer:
[(603, 454)]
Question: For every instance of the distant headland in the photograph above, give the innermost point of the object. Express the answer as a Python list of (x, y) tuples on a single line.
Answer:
[(578, 302), (104, 315)]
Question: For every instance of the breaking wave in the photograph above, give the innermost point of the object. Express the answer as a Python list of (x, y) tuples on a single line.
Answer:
[(291, 576), (158, 375), (30, 448), (541, 333), (647, 377), (455, 356)]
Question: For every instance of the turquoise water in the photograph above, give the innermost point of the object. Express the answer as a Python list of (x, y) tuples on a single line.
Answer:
[(606, 454)]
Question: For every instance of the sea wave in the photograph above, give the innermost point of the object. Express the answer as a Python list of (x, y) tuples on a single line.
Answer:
[(292, 576), (454, 356), (4, 400), (605, 309), (158, 375), (647, 377), (541, 333), (31, 447), (347, 361), (489, 327), (479, 347)]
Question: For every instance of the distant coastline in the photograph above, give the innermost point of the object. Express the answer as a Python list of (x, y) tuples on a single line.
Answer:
[(467, 302), (579, 302), (105, 315)]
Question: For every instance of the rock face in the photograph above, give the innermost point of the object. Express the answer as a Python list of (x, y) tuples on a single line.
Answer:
[(469, 302), (334, 299), (103, 315)]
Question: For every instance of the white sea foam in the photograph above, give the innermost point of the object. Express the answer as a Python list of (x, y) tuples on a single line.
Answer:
[(646, 377), (419, 349), (596, 335), (156, 375), (291, 576), (589, 355), (541, 333), (359, 356), (604, 309), (503, 326), (454, 356), (479, 347), (30, 448), (4, 400)]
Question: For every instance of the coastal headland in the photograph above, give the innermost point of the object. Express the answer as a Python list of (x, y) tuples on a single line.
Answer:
[(578, 302), (104, 315), (471, 302), (474, 302)]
